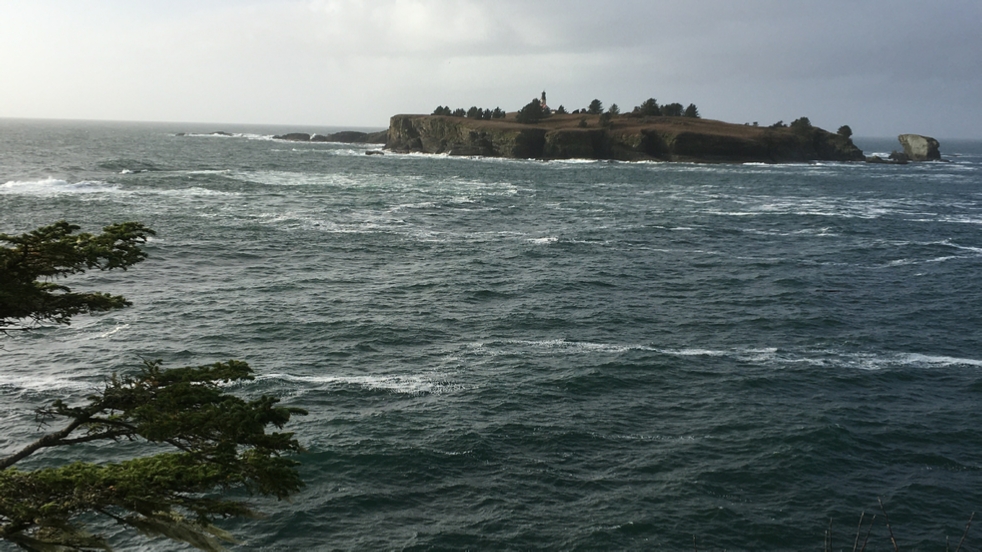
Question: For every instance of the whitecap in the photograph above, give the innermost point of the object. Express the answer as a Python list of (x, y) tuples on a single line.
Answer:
[(110, 333), (581, 346), (47, 384), (936, 360), (693, 352), (246, 135), (543, 241), (55, 186), (406, 385)]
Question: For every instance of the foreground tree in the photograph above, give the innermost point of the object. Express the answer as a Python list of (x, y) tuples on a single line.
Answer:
[(30, 263), (214, 441)]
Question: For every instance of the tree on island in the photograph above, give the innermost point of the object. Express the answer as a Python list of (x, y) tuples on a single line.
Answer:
[(215, 440), (531, 113), (596, 108), (673, 110), (845, 131), (801, 125), (648, 108)]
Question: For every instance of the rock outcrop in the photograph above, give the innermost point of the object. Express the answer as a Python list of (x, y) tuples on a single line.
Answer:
[(920, 148), (293, 137), (626, 138)]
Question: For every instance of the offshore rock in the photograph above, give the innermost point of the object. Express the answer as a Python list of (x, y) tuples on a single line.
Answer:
[(625, 138), (293, 137), (920, 148)]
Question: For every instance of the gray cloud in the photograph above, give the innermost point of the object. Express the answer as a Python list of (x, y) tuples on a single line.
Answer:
[(881, 66)]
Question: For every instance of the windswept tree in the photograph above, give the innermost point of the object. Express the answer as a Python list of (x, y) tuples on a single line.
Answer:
[(614, 109), (844, 130), (32, 264), (201, 440), (596, 108), (691, 111)]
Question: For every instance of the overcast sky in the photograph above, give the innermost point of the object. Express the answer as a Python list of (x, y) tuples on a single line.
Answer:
[(882, 66)]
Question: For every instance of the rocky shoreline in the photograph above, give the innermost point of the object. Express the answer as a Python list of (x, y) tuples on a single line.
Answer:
[(623, 138)]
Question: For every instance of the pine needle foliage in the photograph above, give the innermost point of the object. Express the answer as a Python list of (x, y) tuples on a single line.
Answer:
[(200, 441), (218, 442), (30, 264)]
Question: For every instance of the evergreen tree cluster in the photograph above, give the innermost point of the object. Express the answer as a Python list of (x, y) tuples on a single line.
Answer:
[(473, 113), (650, 108)]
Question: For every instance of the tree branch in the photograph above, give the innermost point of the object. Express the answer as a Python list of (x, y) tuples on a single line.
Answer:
[(50, 440), (94, 437)]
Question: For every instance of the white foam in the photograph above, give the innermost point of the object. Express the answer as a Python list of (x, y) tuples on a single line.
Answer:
[(580, 346), (54, 186), (40, 383), (693, 352), (408, 385), (247, 135), (935, 360), (110, 333), (543, 241)]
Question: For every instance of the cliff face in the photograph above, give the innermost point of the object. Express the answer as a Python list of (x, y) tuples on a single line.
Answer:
[(626, 139)]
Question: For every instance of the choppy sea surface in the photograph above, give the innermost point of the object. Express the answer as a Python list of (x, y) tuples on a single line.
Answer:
[(523, 355)]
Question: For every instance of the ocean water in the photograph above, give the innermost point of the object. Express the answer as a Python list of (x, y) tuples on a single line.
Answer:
[(523, 355)]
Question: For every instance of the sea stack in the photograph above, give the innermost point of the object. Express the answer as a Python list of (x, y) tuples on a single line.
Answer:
[(920, 148)]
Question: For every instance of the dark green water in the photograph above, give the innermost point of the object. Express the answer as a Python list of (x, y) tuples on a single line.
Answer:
[(517, 355)]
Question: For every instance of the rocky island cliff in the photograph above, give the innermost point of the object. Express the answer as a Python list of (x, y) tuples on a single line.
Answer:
[(624, 138)]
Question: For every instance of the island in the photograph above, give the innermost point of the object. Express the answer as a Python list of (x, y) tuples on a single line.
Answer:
[(622, 137), (648, 133)]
